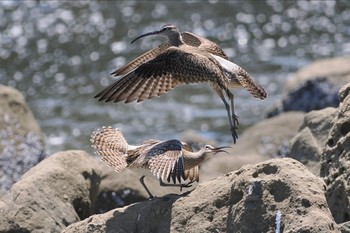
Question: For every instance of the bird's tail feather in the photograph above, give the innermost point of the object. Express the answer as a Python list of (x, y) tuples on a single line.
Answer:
[(111, 145), (248, 83)]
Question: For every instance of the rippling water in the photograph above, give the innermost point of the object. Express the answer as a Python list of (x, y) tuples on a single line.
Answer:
[(60, 54)]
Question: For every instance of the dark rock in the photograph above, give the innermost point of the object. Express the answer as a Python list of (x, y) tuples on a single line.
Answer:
[(313, 94), (21, 140), (315, 86)]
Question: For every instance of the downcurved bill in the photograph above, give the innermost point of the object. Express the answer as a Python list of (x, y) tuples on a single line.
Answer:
[(143, 35), (220, 149)]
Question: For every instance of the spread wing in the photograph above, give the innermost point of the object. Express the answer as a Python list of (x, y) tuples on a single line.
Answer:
[(165, 159), (189, 39), (112, 146), (134, 159), (173, 67), (141, 59)]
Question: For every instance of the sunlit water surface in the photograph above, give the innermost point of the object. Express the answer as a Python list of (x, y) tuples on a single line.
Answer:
[(60, 54)]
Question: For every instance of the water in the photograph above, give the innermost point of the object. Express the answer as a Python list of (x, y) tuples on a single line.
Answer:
[(60, 54)]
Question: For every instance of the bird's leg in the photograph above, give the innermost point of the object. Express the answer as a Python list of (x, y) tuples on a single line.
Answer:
[(188, 185), (230, 119), (234, 116), (145, 187)]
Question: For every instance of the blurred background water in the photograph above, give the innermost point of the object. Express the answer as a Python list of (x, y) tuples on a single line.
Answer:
[(59, 54)]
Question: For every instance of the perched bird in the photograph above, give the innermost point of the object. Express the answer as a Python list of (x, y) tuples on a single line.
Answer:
[(185, 58), (170, 161)]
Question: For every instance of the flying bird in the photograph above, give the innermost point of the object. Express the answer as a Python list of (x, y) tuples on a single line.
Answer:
[(183, 59)]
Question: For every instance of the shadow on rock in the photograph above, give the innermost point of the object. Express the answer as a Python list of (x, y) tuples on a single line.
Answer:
[(148, 216)]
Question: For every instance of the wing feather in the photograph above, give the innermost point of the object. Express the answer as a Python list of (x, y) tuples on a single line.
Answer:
[(141, 59), (192, 174), (112, 146), (174, 66), (165, 158)]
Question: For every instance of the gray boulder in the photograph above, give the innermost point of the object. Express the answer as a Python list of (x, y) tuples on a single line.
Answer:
[(247, 200), (21, 140), (307, 145), (335, 166), (57, 192)]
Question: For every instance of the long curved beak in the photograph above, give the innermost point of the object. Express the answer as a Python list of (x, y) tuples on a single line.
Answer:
[(143, 35), (220, 149)]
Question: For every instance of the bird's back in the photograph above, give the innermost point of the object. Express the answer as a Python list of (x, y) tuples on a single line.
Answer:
[(203, 43), (189, 39), (136, 154)]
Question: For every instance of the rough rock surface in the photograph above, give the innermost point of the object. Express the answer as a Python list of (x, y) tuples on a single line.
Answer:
[(57, 192), (21, 139), (260, 142), (308, 143), (264, 140), (246, 200), (267, 139), (335, 167)]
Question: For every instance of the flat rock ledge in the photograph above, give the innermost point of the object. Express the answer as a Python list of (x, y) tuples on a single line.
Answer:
[(278, 193)]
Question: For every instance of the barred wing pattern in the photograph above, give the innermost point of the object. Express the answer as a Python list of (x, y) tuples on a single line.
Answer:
[(112, 146)]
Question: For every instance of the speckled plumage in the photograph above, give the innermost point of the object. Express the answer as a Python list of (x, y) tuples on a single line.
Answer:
[(171, 160), (185, 58), (112, 146), (189, 39)]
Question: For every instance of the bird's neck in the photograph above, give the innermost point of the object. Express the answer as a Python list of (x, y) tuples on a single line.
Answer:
[(176, 40), (193, 159)]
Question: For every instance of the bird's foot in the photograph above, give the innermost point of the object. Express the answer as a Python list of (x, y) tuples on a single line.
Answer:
[(235, 120), (234, 134), (188, 185)]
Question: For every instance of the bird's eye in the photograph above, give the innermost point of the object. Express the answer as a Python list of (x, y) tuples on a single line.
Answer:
[(207, 147)]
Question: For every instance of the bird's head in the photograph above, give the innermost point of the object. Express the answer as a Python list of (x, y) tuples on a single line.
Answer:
[(167, 30), (212, 149)]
